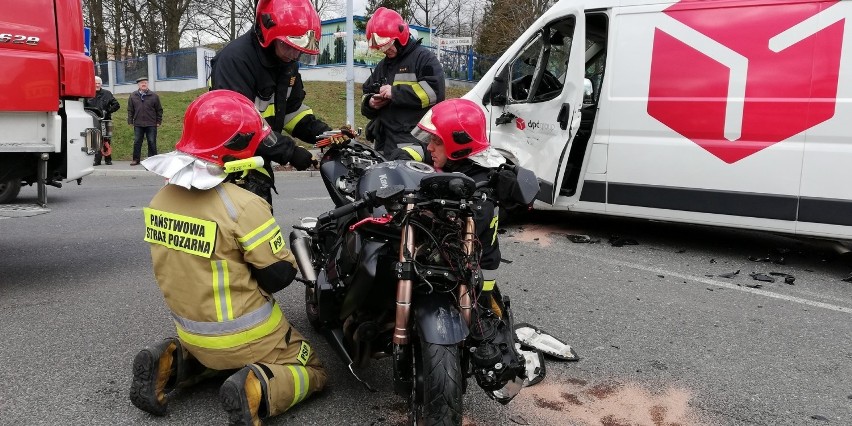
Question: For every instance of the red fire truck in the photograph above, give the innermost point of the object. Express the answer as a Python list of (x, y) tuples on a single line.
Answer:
[(46, 136)]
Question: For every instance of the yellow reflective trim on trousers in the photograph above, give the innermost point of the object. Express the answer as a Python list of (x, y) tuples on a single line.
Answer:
[(494, 225), (290, 125), (413, 152), (300, 383), (233, 340), (488, 285), (415, 86)]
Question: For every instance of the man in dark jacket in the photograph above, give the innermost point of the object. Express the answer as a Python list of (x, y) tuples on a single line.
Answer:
[(145, 114), (403, 86), (104, 101)]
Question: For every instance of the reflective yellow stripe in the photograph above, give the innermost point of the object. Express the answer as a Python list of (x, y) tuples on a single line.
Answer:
[(269, 111), (236, 339), (488, 285), (290, 125), (413, 152), (300, 383), (424, 97), (222, 290), (494, 225), (259, 235)]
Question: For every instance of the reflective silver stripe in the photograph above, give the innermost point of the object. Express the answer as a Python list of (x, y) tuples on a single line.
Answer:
[(220, 280), (288, 126), (408, 77), (226, 200), (236, 325), (260, 234), (429, 92), (303, 385)]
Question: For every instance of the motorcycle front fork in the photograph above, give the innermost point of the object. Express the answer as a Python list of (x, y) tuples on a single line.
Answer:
[(402, 334)]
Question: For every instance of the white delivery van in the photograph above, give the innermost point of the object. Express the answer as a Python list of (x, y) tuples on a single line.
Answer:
[(731, 113)]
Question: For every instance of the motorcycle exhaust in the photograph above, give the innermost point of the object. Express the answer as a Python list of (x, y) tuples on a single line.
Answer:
[(300, 245)]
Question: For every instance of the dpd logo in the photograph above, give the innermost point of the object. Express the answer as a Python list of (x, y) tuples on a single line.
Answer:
[(738, 79), (520, 124)]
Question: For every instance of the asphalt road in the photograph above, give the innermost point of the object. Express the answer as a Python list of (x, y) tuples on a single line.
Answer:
[(664, 339)]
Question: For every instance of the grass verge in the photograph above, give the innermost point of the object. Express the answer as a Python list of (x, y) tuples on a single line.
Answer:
[(328, 100)]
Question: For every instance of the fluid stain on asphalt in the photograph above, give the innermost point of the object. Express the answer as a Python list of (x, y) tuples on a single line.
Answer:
[(539, 234), (558, 401)]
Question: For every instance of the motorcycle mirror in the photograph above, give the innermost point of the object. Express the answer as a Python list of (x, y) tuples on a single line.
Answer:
[(527, 185)]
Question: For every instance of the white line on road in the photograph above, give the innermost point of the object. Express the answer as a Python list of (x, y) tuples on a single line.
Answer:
[(718, 283), (312, 198)]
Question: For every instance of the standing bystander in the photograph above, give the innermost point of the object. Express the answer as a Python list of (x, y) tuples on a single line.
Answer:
[(104, 101), (145, 114)]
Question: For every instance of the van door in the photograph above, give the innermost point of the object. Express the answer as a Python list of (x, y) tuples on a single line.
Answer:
[(537, 112)]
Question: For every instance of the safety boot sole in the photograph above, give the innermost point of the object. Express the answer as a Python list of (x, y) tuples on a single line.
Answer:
[(235, 402), (143, 388)]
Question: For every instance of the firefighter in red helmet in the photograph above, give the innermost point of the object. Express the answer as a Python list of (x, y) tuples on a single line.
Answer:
[(218, 257), (402, 87), (457, 141), (263, 66)]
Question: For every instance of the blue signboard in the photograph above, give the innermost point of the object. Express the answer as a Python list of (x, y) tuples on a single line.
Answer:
[(87, 41)]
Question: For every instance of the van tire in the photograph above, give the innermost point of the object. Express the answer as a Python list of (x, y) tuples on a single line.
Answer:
[(9, 190)]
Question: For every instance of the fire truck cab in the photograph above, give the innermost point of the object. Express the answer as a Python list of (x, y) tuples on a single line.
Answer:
[(46, 136)]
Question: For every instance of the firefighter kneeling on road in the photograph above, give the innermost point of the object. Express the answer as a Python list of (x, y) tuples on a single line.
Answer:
[(218, 257)]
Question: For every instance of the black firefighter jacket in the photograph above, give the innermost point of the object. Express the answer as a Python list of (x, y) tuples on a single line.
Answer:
[(244, 66), (418, 83)]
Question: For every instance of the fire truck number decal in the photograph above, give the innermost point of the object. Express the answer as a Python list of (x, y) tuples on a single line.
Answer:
[(738, 79), (18, 39)]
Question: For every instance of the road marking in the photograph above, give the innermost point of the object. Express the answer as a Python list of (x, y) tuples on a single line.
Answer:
[(133, 209), (312, 198), (718, 283)]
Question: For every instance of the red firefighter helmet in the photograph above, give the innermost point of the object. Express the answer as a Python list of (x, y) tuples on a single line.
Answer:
[(222, 123), (384, 27), (294, 22), (460, 124)]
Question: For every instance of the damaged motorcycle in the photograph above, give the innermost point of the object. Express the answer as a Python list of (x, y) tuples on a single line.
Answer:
[(393, 272)]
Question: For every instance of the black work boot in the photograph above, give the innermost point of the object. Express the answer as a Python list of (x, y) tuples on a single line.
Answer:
[(154, 371), (242, 395), (108, 160)]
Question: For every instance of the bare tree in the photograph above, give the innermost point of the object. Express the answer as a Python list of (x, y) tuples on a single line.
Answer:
[(505, 21)]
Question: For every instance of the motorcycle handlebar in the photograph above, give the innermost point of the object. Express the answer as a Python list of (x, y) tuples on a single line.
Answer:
[(340, 211)]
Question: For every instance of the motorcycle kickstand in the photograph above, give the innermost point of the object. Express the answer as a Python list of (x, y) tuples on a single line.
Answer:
[(352, 370)]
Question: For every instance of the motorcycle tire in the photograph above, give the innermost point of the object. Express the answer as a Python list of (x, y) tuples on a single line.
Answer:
[(438, 393), (9, 190), (312, 309)]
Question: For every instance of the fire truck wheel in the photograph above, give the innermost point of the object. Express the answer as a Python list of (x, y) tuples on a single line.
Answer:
[(9, 190)]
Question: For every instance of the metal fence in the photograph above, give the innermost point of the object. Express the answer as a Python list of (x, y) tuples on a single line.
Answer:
[(102, 71), (128, 70), (180, 64), (458, 63)]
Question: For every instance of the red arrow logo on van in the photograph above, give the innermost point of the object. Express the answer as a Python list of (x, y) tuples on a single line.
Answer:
[(743, 77)]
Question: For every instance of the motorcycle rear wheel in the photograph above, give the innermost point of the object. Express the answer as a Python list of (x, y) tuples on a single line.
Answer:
[(437, 395), (312, 309)]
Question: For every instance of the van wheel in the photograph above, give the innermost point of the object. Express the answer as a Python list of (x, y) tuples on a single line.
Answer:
[(9, 190)]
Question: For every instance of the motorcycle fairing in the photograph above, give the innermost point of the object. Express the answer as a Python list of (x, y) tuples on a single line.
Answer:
[(439, 319), (361, 282)]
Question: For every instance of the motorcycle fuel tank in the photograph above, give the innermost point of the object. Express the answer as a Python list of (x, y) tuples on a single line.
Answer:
[(399, 172)]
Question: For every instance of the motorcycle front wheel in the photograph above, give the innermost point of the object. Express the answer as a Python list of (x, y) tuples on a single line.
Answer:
[(436, 397)]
